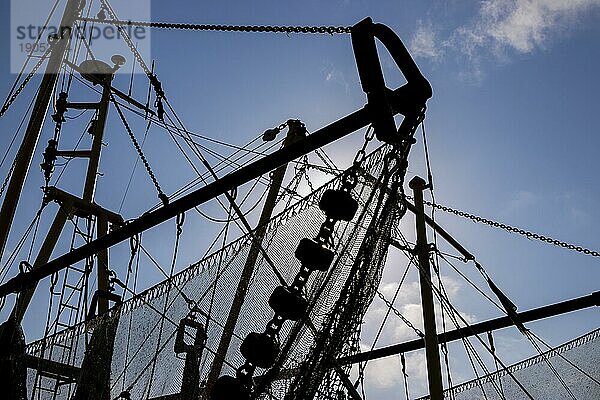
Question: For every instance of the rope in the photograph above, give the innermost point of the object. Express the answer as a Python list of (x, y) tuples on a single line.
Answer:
[(331, 30), (179, 231)]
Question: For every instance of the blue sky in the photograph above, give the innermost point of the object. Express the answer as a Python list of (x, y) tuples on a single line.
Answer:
[(512, 130)]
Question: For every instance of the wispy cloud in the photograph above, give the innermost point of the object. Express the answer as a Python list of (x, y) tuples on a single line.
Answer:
[(521, 25), (335, 76), (424, 43), (501, 27)]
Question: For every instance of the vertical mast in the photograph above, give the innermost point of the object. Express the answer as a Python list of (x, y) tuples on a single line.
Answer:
[(296, 132), (25, 154), (432, 355)]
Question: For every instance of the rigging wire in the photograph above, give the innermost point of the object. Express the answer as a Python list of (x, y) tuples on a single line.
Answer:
[(566, 359), (469, 349), (12, 94), (455, 316), (134, 249), (135, 164), (179, 230), (219, 263), (12, 141), (470, 282), (231, 200), (390, 307), (13, 255), (161, 195), (528, 234)]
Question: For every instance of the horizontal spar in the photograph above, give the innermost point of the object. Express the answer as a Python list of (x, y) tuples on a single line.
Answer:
[(399, 101), (475, 329)]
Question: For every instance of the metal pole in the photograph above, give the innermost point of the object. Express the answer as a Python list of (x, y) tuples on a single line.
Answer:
[(90, 188), (432, 354), (295, 133), (45, 252), (36, 121), (102, 229), (535, 314), (98, 132)]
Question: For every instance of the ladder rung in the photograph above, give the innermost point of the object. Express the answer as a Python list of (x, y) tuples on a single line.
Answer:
[(73, 287), (60, 380), (45, 389), (67, 305), (62, 325), (77, 269)]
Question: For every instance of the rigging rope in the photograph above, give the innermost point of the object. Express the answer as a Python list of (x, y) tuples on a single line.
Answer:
[(331, 30), (454, 314)]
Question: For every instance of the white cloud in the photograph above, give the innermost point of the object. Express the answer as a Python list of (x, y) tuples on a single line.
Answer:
[(424, 43), (384, 373), (408, 303), (521, 25), (335, 76)]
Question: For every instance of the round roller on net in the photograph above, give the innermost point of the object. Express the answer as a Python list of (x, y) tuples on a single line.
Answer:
[(260, 349), (313, 255), (288, 303), (229, 388), (338, 205)]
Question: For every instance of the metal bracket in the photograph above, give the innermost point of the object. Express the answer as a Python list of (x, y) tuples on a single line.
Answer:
[(104, 294), (378, 95)]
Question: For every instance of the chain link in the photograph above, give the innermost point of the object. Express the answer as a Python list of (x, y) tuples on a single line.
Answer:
[(331, 30), (399, 315), (161, 195), (125, 37), (512, 229), (18, 91), (10, 171)]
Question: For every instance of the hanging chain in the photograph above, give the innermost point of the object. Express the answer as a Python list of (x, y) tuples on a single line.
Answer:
[(399, 315), (323, 238), (161, 195), (331, 30), (18, 91), (10, 171), (512, 229)]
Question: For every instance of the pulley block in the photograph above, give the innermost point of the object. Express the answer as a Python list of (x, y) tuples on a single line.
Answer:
[(191, 328)]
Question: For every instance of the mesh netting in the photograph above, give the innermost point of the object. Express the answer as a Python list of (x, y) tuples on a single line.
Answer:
[(569, 359), (143, 359)]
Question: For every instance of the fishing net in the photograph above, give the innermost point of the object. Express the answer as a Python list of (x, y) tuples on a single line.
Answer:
[(576, 362), (143, 361)]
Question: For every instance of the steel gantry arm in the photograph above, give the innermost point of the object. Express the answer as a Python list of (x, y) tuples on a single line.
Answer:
[(383, 104)]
